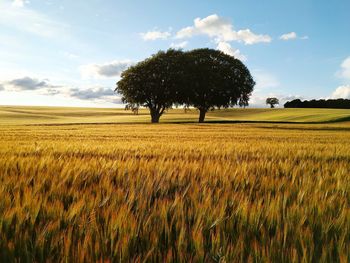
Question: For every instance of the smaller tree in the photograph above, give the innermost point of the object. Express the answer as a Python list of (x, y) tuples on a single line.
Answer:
[(272, 102)]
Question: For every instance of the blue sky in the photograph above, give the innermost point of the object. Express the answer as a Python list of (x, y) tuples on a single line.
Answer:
[(71, 53)]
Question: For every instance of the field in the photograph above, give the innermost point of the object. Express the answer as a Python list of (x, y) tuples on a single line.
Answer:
[(55, 115), (102, 185)]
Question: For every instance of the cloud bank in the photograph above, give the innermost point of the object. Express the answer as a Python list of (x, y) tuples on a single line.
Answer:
[(26, 83), (106, 70), (44, 87)]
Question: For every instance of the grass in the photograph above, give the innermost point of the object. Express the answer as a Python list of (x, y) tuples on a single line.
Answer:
[(54, 115), (243, 192)]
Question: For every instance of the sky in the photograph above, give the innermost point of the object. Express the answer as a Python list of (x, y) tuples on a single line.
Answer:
[(71, 53)]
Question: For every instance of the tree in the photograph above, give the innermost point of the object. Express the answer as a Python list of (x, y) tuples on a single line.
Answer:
[(153, 83), (272, 102), (215, 80), (134, 108)]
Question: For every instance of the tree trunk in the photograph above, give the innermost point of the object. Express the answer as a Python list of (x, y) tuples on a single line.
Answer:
[(155, 117), (272, 106), (202, 113)]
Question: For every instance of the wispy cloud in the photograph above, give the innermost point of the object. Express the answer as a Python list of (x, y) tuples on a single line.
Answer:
[(288, 36), (264, 80), (30, 21), (182, 44), (70, 55), (221, 30), (19, 3), (155, 35), (292, 36)]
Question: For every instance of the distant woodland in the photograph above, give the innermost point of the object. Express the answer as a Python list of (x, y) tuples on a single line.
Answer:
[(330, 104)]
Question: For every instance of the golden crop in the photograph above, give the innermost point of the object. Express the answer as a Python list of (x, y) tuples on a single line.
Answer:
[(175, 193)]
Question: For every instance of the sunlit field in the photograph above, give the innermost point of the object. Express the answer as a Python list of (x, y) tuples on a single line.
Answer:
[(178, 191), (53, 115)]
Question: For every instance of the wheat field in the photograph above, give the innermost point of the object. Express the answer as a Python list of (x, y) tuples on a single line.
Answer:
[(15, 115), (242, 192)]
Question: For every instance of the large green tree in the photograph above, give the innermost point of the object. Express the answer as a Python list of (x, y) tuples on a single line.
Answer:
[(154, 83), (215, 80)]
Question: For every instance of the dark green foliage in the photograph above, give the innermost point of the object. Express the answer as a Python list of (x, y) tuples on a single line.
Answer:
[(153, 83), (330, 104), (215, 80)]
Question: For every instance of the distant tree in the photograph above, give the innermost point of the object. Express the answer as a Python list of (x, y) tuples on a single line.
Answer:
[(272, 102), (215, 80), (133, 107), (153, 83)]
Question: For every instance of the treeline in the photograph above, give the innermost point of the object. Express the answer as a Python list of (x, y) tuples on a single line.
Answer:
[(330, 104)]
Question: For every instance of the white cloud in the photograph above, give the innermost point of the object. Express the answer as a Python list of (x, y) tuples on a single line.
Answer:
[(291, 36), (30, 21), (221, 30), (106, 70), (264, 80), (154, 35), (342, 92), (182, 44), (288, 36), (229, 50), (345, 69), (19, 3)]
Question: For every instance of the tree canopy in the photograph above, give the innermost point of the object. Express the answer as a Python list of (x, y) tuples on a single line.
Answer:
[(153, 83), (201, 78), (215, 80)]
